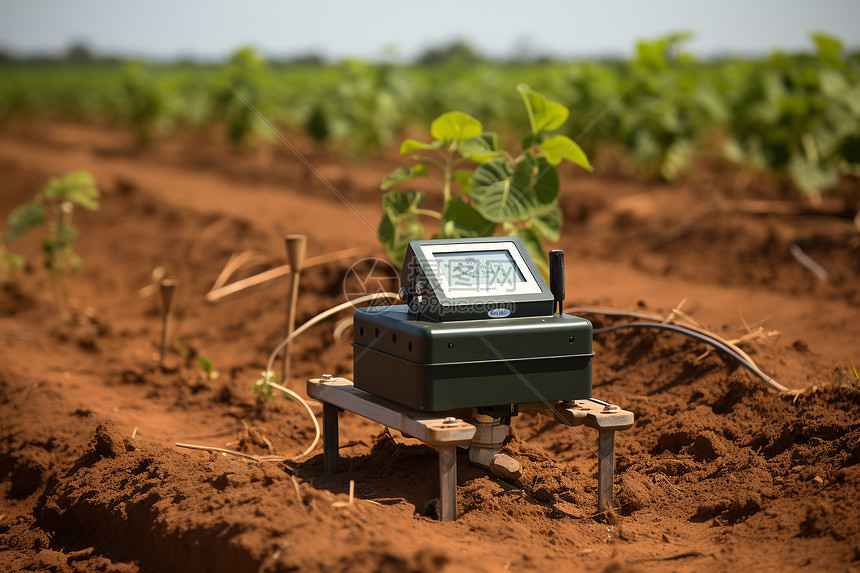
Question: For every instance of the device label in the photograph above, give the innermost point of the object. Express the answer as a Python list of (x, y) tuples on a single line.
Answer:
[(499, 313)]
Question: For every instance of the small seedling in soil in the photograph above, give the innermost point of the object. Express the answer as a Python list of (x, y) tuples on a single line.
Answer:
[(8, 261), (207, 368), (52, 206), (263, 389)]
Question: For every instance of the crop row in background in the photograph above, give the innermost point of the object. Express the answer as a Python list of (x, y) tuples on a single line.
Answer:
[(796, 115)]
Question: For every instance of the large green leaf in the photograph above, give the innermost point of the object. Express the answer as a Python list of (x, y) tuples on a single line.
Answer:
[(543, 178), (534, 244), (401, 203), (479, 149), (455, 125), (501, 193), (505, 194), (402, 174), (548, 223), (24, 218), (388, 235), (558, 147), (544, 114), (462, 220)]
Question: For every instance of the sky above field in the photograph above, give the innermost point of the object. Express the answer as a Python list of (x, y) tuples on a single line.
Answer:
[(372, 28)]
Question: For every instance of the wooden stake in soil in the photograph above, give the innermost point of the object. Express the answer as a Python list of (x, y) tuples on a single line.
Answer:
[(167, 288), (296, 245)]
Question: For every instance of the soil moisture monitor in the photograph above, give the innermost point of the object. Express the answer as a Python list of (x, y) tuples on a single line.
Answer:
[(480, 329), (480, 338)]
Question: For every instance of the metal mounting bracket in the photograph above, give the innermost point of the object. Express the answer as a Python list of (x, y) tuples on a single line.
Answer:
[(445, 432)]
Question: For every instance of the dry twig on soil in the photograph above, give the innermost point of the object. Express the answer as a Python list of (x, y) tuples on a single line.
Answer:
[(296, 488), (232, 453), (218, 293)]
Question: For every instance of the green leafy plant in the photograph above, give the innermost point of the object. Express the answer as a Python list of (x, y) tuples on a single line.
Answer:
[(53, 206), (520, 193), (207, 368)]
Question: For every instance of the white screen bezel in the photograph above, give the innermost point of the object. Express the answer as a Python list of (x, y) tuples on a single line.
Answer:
[(529, 286)]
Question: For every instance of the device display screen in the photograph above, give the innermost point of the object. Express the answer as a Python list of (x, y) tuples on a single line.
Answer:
[(483, 271)]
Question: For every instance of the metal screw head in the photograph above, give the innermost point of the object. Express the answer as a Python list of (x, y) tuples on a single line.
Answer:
[(420, 287), (610, 408), (450, 420), (326, 377), (403, 293)]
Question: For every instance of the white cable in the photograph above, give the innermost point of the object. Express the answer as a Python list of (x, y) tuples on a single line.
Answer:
[(322, 316), (310, 413), (318, 318), (751, 365)]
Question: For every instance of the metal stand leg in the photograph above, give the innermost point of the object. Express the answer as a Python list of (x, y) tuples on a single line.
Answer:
[(605, 469), (331, 443), (448, 483)]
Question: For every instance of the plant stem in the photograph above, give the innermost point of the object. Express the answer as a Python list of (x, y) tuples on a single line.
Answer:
[(55, 272), (529, 112), (436, 182), (449, 172), (429, 213), (430, 160)]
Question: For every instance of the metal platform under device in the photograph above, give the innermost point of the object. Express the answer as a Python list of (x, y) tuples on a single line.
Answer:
[(445, 431)]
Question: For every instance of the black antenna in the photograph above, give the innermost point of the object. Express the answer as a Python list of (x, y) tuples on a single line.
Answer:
[(556, 278)]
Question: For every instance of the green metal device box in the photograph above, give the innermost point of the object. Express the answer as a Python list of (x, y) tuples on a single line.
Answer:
[(434, 366)]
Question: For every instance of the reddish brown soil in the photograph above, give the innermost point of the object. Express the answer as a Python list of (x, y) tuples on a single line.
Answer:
[(718, 472)]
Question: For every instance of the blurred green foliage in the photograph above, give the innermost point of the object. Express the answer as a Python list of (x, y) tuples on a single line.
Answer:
[(139, 101), (795, 114)]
